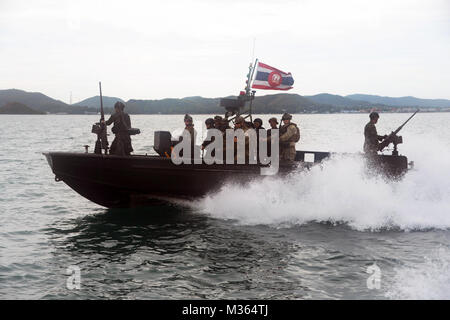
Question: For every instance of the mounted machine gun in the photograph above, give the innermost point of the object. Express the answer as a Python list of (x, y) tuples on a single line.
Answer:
[(394, 138), (99, 129)]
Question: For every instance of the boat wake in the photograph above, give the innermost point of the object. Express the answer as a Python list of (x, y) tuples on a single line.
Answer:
[(427, 280), (341, 191)]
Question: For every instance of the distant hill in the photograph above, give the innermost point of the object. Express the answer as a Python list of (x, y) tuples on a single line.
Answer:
[(174, 106), (401, 101), (94, 102), (40, 102), (285, 102), (337, 101), (265, 104), (273, 103), (17, 108)]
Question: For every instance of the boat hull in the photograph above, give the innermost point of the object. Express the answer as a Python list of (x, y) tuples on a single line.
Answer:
[(114, 181)]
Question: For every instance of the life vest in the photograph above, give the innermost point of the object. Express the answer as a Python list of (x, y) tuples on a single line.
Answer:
[(296, 136)]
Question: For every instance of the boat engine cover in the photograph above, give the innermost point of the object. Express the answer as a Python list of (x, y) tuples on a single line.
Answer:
[(162, 142)]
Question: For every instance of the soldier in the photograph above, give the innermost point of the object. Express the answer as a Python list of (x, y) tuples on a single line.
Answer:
[(209, 139), (239, 123), (221, 124), (371, 145), (273, 122), (189, 127), (257, 124), (218, 122), (121, 145), (289, 135)]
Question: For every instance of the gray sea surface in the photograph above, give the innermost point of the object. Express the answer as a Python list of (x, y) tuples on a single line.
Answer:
[(329, 233)]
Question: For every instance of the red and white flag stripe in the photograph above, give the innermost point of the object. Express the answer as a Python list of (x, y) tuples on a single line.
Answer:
[(270, 78)]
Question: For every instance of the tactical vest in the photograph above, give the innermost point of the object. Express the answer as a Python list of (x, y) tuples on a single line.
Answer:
[(295, 137)]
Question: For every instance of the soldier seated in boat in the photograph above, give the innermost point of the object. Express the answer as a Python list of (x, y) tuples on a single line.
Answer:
[(189, 128), (289, 135), (221, 124), (121, 145), (273, 122), (257, 124), (371, 137), (209, 139), (240, 123)]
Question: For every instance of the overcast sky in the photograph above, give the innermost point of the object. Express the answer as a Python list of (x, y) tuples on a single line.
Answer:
[(160, 49)]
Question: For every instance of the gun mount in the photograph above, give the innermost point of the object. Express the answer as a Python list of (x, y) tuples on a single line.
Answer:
[(394, 139), (237, 107)]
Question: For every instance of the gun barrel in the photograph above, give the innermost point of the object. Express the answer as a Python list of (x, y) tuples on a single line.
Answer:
[(401, 127), (102, 113)]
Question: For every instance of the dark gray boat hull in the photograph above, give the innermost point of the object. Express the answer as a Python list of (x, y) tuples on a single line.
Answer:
[(114, 181)]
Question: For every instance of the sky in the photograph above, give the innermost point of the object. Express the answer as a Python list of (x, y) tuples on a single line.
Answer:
[(160, 49)]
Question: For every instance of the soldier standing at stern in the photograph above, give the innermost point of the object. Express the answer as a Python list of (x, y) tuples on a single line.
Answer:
[(289, 135), (371, 145), (121, 146)]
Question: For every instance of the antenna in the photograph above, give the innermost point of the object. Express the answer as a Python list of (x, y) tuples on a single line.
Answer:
[(253, 52), (71, 97)]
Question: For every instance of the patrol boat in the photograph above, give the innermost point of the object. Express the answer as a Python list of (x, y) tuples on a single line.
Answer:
[(124, 181)]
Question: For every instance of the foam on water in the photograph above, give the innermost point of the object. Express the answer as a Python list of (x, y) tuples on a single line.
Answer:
[(427, 280), (341, 191)]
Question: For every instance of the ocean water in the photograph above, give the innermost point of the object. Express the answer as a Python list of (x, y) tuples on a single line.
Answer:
[(329, 233)]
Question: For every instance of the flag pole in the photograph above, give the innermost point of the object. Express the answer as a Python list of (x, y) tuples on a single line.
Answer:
[(250, 75), (249, 95)]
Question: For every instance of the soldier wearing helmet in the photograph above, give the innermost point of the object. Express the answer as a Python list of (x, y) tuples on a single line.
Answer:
[(121, 144), (221, 124), (239, 123), (289, 135), (189, 127), (273, 122), (257, 124), (209, 139), (371, 137)]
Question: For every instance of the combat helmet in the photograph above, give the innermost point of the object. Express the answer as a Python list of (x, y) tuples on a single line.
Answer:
[(273, 119), (239, 120), (259, 121), (119, 105), (187, 118)]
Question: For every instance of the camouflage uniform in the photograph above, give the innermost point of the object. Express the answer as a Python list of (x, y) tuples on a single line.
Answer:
[(288, 134), (287, 144)]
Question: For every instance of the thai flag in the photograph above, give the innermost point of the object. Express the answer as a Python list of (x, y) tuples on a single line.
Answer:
[(270, 78)]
